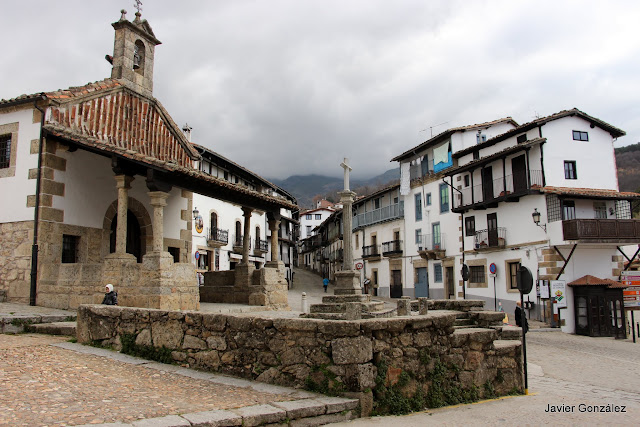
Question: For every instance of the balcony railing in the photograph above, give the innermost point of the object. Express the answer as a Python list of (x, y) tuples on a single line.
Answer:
[(261, 245), (336, 255), (370, 251), (495, 238), (392, 248), (386, 213), (219, 236), (431, 242), (238, 241), (420, 170), (479, 194), (602, 230)]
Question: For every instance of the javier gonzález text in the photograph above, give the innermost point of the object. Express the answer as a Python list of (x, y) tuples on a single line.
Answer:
[(583, 407)]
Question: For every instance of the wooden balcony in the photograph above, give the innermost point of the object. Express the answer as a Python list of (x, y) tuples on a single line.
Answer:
[(625, 231)]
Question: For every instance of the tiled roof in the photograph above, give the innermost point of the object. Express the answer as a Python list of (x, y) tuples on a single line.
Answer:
[(65, 94), (614, 131), (589, 280), (451, 131), (589, 192), (377, 193), (98, 146)]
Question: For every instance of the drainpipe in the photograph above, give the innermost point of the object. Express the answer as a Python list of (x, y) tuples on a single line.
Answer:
[(36, 216)]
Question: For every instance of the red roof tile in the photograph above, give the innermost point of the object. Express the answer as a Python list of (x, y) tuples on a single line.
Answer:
[(590, 280), (589, 192)]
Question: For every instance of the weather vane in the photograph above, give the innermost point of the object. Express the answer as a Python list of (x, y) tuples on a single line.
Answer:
[(138, 5)]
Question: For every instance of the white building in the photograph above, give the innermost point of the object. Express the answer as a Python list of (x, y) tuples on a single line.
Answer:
[(218, 231), (561, 167), (310, 219), (431, 236)]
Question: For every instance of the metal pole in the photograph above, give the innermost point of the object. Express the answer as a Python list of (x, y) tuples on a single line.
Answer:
[(523, 319), (633, 331), (495, 298)]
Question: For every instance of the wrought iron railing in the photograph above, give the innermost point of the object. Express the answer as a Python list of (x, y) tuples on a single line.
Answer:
[(262, 245), (495, 238), (218, 235), (431, 242), (392, 247), (370, 251)]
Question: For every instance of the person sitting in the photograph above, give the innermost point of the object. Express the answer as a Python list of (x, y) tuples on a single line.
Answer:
[(110, 296)]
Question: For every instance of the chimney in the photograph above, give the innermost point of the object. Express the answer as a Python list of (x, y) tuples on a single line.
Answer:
[(187, 131)]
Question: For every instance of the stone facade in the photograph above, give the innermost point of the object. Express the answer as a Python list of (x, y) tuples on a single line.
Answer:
[(345, 355), (15, 260)]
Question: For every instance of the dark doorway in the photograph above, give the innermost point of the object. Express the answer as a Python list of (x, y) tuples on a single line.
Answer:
[(519, 171), (599, 311), (492, 229), (396, 284), (487, 183), (134, 241), (449, 291)]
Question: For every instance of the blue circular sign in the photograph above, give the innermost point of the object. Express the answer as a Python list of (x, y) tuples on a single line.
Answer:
[(197, 255), (493, 268)]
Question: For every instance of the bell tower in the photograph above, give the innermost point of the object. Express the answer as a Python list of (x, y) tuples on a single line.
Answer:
[(133, 52)]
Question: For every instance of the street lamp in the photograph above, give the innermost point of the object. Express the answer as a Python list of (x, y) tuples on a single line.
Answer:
[(536, 219), (196, 213)]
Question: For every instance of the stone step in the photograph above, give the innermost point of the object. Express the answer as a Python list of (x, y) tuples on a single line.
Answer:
[(17, 323), (342, 307), (462, 322), (55, 328), (325, 316), (335, 299)]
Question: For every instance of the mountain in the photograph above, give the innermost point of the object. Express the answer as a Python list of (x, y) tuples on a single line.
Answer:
[(628, 162), (305, 187)]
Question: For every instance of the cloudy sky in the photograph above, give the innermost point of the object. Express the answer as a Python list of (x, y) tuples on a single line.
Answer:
[(289, 87)]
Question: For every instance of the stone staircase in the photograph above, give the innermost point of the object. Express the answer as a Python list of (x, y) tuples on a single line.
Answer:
[(341, 307), (51, 324)]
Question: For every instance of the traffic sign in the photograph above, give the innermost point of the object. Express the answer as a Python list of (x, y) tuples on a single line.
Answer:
[(197, 255)]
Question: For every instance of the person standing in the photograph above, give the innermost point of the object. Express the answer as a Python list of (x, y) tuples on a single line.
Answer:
[(325, 284), (110, 296), (519, 314)]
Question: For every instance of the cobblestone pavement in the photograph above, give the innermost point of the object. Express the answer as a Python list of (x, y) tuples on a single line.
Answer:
[(578, 374), (45, 385)]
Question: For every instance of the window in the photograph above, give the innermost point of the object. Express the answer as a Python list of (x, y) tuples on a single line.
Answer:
[(5, 151), (357, 240), (470, 226), (418, 200), (395, 200), (580, 136), (570, 169), (568, 209), (437, 237), (238, 241), (476, 274), (419, 238), (512, 274), (476, 155), (308, 230), (376, 203), (521, 138), (318, 216), (444, 198), (213, 221), (375, 277), (428, 199), (466, 180), (226, 176), (308, 216), (437, 273), (600, 210), (175, 253), (70, 248)]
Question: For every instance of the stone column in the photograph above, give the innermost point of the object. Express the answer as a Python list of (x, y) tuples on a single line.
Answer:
[(347, 280), (123, 182), (246, 213), (274, 224), (158, 201)]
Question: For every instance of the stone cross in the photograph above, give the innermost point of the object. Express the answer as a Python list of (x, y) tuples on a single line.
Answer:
[(347, 168), (138, 5)]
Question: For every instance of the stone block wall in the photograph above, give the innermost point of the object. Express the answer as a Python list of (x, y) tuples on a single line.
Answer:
[(15, 260), (346, 356)]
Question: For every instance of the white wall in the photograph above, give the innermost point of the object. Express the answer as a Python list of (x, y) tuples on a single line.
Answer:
[(14, 190), (595, 159), (313, 222)]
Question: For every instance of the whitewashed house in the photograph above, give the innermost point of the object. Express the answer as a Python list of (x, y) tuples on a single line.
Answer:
[(311, 218), (379, 242), (218, 230), (559, 171), (431, 236)]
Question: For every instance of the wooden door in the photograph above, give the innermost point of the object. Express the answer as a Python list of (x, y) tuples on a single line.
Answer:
[(450, 288), (519, 173), (422, 286), (487, 183), (396, 284), (492, 229)]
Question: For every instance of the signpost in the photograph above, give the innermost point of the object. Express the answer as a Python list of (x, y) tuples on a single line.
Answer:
[(631, 295), (492, 272), (524, 280)]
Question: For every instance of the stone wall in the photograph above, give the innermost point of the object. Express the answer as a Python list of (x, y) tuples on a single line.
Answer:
[(15, 260), (343, 355)]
